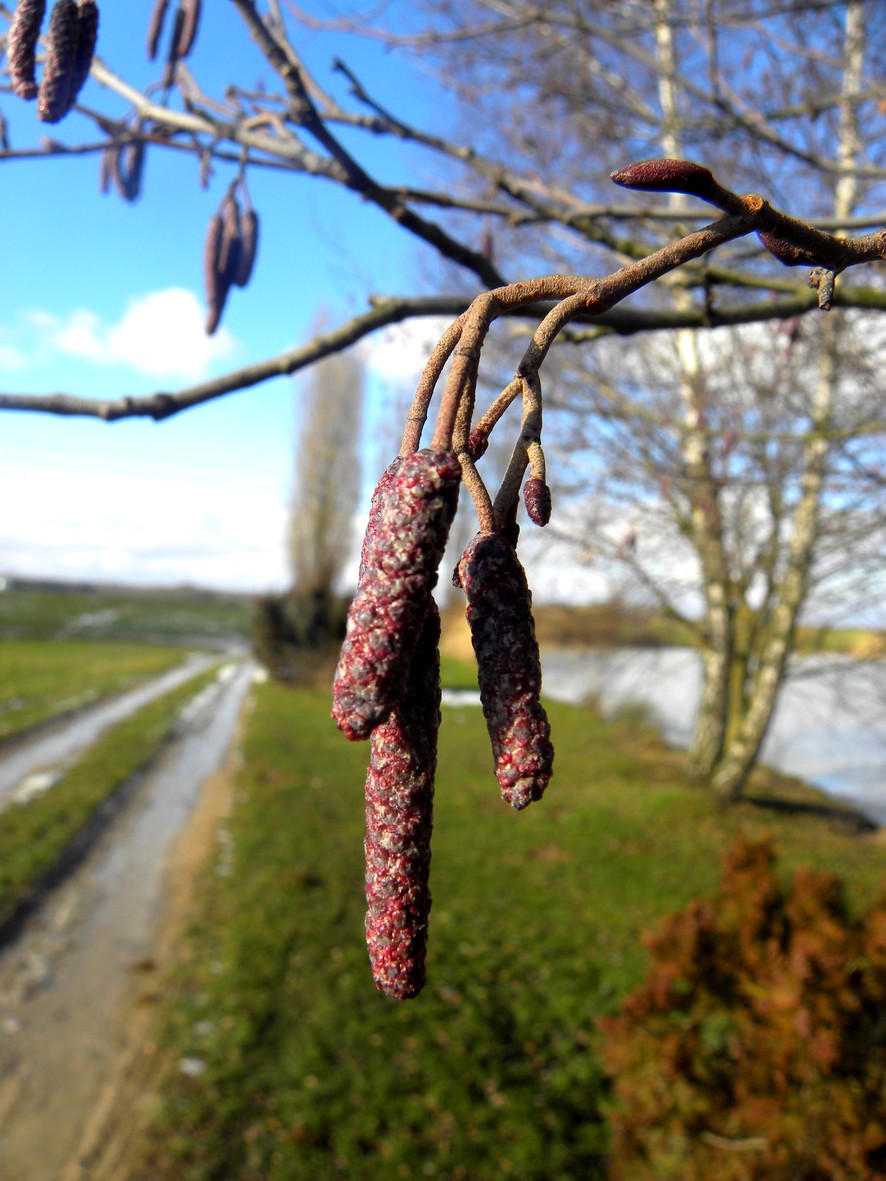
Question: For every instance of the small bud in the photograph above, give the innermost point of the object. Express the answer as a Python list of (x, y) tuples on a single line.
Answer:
[(666, 176), (478, 441), (537, 498), (785, 252), (21, 46)]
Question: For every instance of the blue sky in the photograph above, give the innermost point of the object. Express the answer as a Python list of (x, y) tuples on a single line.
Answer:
[(103, 298)]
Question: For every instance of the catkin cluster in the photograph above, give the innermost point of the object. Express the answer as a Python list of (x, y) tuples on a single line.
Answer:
[(228, 255), (184, 33), (387, 689), (69, 47)]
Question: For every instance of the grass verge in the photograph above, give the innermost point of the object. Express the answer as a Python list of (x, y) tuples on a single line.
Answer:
[(283, 1063), (35, 835), (40, 680)]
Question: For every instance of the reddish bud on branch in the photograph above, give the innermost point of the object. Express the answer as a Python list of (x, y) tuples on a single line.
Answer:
[(21, 46), (785, 252), (537, 498), (666, 176), (400, 571), (499, 611), (399, 816)]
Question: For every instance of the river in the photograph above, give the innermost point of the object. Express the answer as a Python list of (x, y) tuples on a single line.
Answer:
[(829, 726)]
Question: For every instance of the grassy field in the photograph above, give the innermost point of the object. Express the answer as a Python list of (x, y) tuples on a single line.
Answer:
[(136, 614), (283, 1063), (34, 835), (39, 680)]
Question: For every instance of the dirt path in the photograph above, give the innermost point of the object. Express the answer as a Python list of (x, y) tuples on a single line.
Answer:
[(77, 990)]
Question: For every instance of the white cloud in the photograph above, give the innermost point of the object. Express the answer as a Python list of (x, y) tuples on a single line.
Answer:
[(110, 521), (399, 352), (159, 335)]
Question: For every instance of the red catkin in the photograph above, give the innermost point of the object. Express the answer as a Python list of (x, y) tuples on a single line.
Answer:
[(21, 46), (665, 175), (400, 571), (537, 498), (379, 497), (499, 611), (399, 817)]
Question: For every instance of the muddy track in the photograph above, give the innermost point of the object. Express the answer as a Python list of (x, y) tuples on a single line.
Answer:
[(77, 988)]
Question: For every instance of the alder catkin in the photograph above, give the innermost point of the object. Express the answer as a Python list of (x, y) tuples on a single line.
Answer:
[(229, 247), (188, 31), (21, 46), (155, 27), (87, 20), (375, 507), (400, 571), (55, 94), (499, 611), (248, 247), (399, 817), (216, 290)]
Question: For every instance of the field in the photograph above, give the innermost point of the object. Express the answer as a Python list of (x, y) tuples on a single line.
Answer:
[(41, 680), (53, 612), (282, 1061)]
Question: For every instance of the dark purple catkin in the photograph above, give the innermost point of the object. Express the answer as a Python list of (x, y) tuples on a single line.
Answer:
[(399, 816), (87, 19), (216, 289), (248, 247), (156, 27), (499, 610), (537, 498), (21, 46), (55, 96), (400, 571), (229, 247)]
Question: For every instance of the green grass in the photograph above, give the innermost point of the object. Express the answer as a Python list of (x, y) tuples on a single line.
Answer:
[(136, 614), (299, 1069), (34, 835), (40, 679)]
